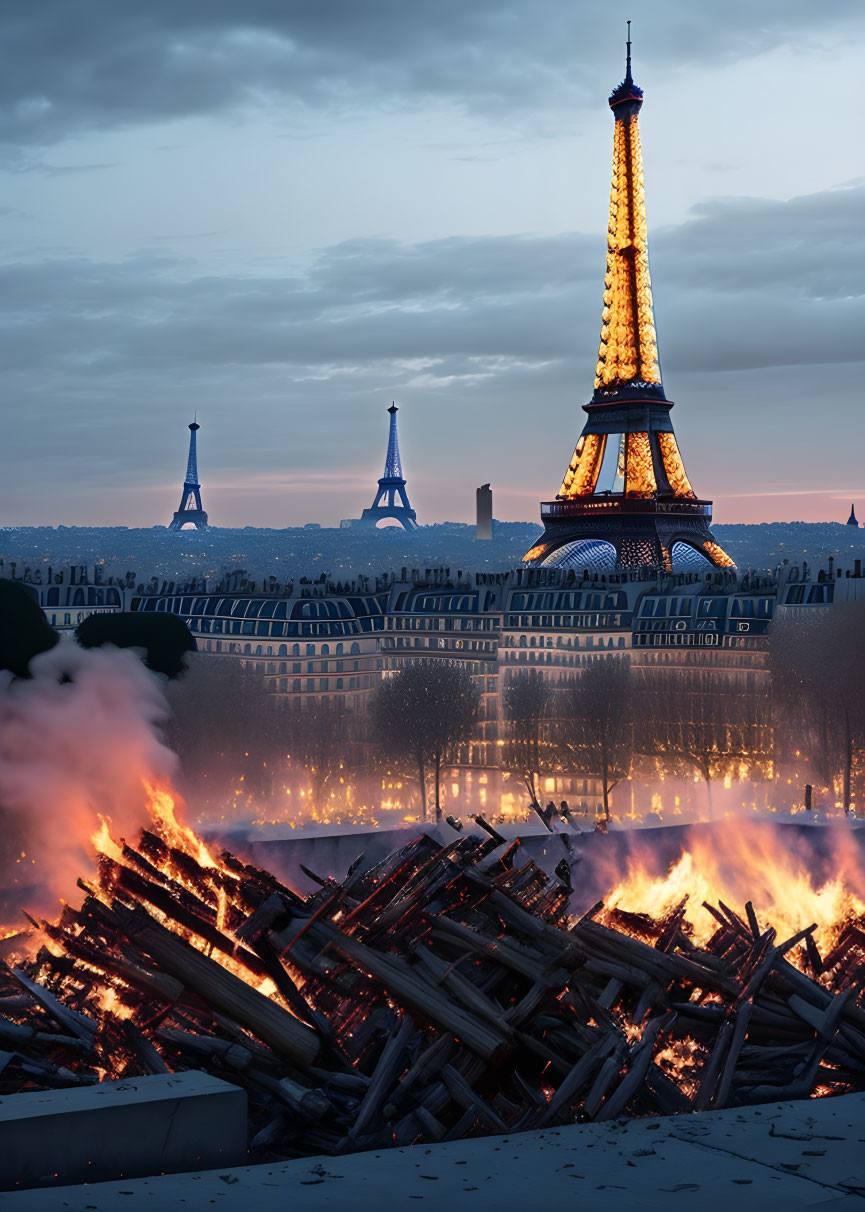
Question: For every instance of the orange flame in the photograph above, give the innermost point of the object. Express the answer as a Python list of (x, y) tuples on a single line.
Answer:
[(756, 863), (104, 843), (161, 805)]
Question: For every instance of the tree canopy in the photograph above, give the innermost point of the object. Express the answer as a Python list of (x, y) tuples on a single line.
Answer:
[(165, 638), (24, 630), (422, 713)]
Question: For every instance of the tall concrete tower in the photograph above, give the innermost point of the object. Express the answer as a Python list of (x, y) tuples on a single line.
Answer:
[(484, 528)]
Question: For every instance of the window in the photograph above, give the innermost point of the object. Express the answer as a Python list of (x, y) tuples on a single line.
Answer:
[(339, 683), (355, 648), (310, 650)]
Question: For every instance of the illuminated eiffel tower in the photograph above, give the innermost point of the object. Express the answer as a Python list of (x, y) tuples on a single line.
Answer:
[(191, 511), (626, 501), (391, 500)]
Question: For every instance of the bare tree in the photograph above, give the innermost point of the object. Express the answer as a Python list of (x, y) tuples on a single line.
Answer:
[(318, 738), (818, 680), (423, 712), (527, 704), (226, 728), (595, 733), (703, 722)]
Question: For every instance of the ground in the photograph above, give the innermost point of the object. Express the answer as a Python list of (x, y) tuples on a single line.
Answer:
[(793, 1155)]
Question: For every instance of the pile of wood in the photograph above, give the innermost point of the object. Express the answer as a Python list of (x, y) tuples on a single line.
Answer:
[(440, 994)]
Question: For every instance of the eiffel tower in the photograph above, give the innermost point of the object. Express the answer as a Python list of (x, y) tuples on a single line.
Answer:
[(191, 511), (626, 500), (391, 500)]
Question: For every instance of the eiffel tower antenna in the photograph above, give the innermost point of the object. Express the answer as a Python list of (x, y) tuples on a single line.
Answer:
[(391, 499), (191, 511)]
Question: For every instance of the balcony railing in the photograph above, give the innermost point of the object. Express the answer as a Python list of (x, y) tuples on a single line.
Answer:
[(601, 506)]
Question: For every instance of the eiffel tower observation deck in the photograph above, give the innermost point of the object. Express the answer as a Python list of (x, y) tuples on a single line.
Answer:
[(391, 500), (626, 500), (191, 511)]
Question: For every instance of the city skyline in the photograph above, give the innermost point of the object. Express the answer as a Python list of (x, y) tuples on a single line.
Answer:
[(176, 238)]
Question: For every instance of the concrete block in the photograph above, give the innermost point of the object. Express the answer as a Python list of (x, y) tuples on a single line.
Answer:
[(121, 1129)]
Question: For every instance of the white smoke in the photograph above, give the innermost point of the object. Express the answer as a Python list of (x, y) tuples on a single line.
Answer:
[(77, 740)]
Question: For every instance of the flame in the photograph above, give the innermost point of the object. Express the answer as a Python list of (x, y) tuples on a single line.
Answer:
[(104, 843), (756, 863), (107, 1000), (162, 808), (161, 804)]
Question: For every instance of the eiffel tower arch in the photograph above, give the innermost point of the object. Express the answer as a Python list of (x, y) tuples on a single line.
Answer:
[(626, 500), (391, 499), (191, 511)]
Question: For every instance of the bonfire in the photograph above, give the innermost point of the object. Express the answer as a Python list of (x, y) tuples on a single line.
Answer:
[(445, 992)]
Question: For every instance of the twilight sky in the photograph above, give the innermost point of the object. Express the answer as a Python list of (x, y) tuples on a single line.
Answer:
[(285, 213)]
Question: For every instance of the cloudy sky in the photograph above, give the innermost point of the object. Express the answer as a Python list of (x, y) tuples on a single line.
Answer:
[(285, 213)]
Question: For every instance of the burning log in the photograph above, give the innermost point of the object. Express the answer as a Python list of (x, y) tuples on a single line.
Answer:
[(440, 993), (220, 988)]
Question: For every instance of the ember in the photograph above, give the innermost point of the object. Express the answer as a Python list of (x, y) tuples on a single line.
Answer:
[(442, 993)]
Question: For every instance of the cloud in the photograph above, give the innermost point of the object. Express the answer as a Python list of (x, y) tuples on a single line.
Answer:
[(742, 284), (809, 245), (489, 343), (67, 67)]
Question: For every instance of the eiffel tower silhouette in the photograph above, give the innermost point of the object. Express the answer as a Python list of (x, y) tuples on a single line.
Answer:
[(191, 511), (391, 500)]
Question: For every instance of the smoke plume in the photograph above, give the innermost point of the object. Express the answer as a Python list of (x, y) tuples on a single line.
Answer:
[(77, 740)]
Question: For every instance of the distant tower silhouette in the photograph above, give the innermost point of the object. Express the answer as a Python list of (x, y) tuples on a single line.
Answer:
[(851, 521), (390, 487), (191, 511), (484, 527)]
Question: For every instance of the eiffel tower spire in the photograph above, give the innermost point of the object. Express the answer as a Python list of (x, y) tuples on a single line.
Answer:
[(628, 351), (191, 511), (391, 499), (626, 500), (392, 464)]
